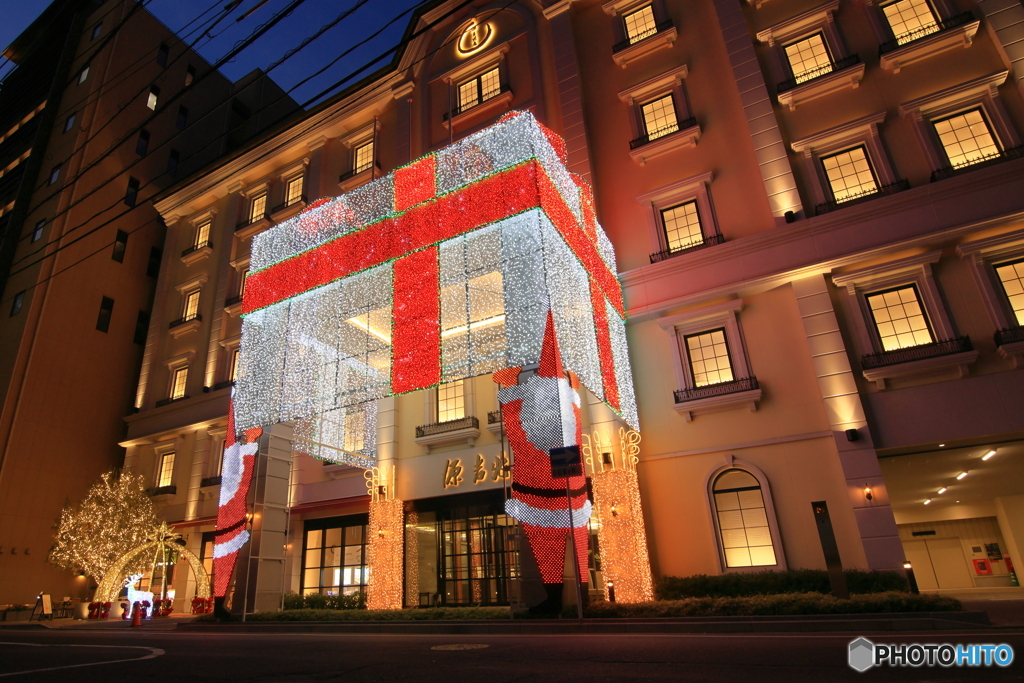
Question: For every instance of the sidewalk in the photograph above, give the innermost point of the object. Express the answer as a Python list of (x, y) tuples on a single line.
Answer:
[(158, 624)]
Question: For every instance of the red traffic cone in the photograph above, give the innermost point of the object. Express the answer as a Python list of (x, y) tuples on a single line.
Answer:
[(137, 614)]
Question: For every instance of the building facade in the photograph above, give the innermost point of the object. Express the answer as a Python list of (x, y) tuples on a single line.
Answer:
[(815, 212), (124, 110)]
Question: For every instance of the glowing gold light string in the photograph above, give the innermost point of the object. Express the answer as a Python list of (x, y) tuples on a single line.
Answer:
[(384, 547), (110, 587)]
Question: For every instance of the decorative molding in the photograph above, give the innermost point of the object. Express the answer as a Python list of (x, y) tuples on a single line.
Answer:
[(878, 276), (195, 255), (476, 63), (186, 328), (713, 404), (294, 169), (482, 110), (661, 40), (839, 134), (955, 96), (926, 366), (316, 143), (403, 90), (848, 78), (801, 22), (556, 9), (681, 139), (658, 84), (809, 436), (194, 283), (924, 48), (467, 436), (178, 361)]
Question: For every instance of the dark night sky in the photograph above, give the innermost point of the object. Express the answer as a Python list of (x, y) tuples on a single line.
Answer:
[(18, 14)]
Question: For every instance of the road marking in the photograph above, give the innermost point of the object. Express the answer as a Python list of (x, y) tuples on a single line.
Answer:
[(153, 653)]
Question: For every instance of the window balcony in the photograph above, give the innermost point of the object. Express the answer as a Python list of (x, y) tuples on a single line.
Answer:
[(663, 35), (494, 421), (1010, 345), (981, 162), (168, 401), (253, 225), (354, 178), (693, 246), (951, 354), (839, 75), (223, 385), (914, 46), (685, 133), (480, 109), (283, 212), (1013, 335), (738, 393), (162, 491), (209, 481), (233, 305), (197, 252), (884, 190), (465, 430), (185, 325), (662, 132)]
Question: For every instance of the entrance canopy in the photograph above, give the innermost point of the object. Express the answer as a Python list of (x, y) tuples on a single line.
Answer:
[(442, 270)]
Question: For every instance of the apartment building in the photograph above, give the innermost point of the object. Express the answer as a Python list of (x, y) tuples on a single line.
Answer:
[(815, 209)]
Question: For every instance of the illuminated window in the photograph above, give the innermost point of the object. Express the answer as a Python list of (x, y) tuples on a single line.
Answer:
[(97, 30), (258, 207), (899, 318), (293, 191), (165, 474), (242, 279), (202, 234), (233, 365), (709, 357), (682, 226), (37, 234), (1011, 275), (190, 309), (451, 401), (179, 377), (54, 175), (966, 138), (479, 89), (190, 75), (849, 174), (659, 117), (808, 58), (640, 24), (363, 158), (154, 96), (69, 122), (742, 520), (334, 556), (910, 19)]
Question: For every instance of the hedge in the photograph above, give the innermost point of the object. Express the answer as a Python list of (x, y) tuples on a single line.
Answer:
[(774, 583), (294, 601)]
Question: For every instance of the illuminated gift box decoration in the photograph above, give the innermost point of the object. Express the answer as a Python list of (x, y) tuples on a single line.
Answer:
[(443, 270)]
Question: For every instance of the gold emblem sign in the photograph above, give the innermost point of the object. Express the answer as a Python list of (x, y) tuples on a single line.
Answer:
[(474, 38)]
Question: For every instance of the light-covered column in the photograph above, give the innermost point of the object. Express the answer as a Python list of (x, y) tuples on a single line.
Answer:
[(386, 530)]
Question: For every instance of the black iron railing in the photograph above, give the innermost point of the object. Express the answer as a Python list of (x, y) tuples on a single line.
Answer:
[(297, 200), (980, 162), (692, 246), (169, 401), (913, 36), (224, 385), (921, 352), (720, 389), (450, 426), (658, 28), (1009, 336), (249, 221), (354, 172), (461, 109), (494, 417), (884, 190), (196, 247), (824, 70), (662, 132), (163, 490), (186, 319), (233, 300), (209, 481)]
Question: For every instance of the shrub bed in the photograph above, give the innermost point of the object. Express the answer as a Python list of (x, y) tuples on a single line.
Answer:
[(771, 583), (428, 614), (328, 602)]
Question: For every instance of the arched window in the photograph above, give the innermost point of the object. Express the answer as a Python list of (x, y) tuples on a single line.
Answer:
[(742, 520)]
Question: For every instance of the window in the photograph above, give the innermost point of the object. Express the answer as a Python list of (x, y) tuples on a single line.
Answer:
[(910, 19), (182, 119), (106, 310), (233, 365), (363, 158), (293, 191), (742, 520), (258, 207), (153, 264), (709, 357), (37, 233), (161, 54), (142, 144), (120, 244), (83, 74), (334, 556), (451, 401), (172, 163), (1011, 276), (479, 89), (132, 193), (849, 174), (202, 236), (640, 24), (966, 138), (190, 75), (97, 30), (242, 279), (141, 328), (54, 174), (153, 97), (190, 306), (899, 318), (472, 547), (808, 58), (69, 123), (165, 473), (659, 117), (682, 226), (179, 376), (19, 299)]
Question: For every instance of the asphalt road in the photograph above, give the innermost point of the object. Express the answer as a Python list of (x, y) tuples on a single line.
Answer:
[(83, 656)]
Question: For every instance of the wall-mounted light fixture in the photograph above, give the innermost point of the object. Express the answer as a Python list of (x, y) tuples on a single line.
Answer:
[(852, 435), (942, 490), (867, 492), (988, 455), (928, 502), (961, 475)]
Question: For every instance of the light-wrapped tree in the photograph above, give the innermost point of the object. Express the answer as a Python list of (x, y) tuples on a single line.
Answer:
[(115, 516)]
